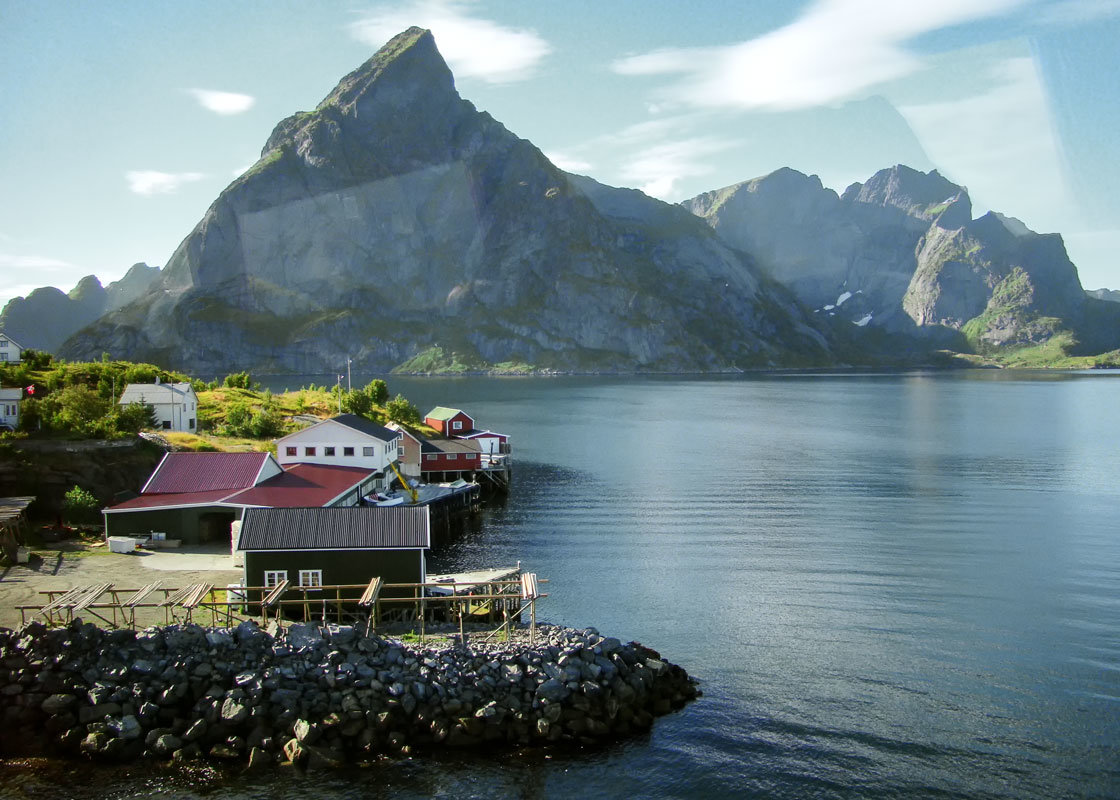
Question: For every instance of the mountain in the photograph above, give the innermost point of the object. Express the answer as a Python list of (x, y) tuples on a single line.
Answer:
[(396, 221), (47, 317), (902, 254), (1111, 295)]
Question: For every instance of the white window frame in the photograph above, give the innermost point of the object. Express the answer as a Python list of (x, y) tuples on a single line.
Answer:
[(367, 452), (328, 452), (291, 451), (271, 579), (309, 452), (457, 425), (348, 452), (451, 456), (311, 579)]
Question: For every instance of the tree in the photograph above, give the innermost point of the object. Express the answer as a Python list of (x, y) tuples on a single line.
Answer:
[(238, 380), (135, 417), (357, 402), (378, 391), (400, 410)]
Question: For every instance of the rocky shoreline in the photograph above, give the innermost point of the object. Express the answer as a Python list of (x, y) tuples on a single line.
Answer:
[(317, 696)]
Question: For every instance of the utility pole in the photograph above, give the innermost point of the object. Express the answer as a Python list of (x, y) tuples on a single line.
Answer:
[(338, 391), (349, 388)]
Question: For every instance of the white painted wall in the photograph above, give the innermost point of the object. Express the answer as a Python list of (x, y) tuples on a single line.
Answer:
[(330, 434)]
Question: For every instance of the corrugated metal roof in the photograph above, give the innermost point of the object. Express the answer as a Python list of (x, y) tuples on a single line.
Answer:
[(337, 528), (365, 426), (204, 472), (171, 499), (450, 446), (154, 393), (302, 485)]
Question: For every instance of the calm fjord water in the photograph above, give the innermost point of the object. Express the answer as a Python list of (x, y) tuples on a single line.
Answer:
[(902, 585)]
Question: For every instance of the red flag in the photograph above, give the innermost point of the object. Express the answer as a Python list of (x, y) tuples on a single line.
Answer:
[(31, 389)]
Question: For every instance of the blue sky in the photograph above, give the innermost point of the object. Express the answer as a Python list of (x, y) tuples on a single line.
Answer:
[(122, 121)]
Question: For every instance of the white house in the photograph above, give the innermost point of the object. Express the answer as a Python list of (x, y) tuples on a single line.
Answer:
[(9, 350), (9, 408), (175, 404), (346, 441)]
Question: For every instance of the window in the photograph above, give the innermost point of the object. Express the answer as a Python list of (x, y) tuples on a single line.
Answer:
[(167, 424), (457, 425), (452, 456), (367, 451), (431, 457), (3, 356), (190, 423), (291, 451), (274, 577), (328, 451), (309, 451), (400, 452), (311, 578), (470, 456), (348, 451)]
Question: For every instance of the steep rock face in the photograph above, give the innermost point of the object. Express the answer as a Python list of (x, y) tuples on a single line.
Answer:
[(856, 251), (396, 217), (46, 317), (902, 252)]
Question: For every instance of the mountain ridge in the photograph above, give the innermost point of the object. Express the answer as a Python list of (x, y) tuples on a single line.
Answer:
[(396, 218)]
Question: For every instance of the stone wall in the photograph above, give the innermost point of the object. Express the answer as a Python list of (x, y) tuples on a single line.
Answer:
[(324, 696)]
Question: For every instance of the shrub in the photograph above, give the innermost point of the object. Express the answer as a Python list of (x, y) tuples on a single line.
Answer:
[(400, 410), (80, 505)]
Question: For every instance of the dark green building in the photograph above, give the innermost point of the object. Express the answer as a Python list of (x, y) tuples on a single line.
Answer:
[(347, 545)]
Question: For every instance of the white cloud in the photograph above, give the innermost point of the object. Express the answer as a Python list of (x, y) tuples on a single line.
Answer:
[(149, 182), (223, 102), (1002, 141), (834, 51), (657, 169), (473, 47), (568, 163), (36, 262)]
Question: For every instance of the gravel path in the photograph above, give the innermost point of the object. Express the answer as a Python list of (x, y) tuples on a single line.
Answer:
[(68, 565)]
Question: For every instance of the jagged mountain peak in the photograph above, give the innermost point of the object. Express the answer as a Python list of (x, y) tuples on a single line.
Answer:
[(925, 195), (409, 57), (396, 217)]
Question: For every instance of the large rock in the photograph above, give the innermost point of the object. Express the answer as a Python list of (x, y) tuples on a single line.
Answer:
[(398, 224), (901, 253)]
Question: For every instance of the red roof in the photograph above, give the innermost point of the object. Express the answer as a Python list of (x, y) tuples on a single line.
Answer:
[(205, 472), (301, 486), (168, 499)]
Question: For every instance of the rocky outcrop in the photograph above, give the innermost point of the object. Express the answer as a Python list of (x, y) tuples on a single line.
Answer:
[(902, 253), (318, 696), (395, 217), (46, 317), (1111, 295), (48, 468)]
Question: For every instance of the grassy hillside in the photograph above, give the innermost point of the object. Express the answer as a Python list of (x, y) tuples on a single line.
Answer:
[(77, 400)]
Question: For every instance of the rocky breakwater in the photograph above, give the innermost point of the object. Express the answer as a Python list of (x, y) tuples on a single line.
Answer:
[(316, 696)]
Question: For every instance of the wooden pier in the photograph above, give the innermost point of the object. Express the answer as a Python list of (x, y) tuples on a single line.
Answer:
[(494, 596)]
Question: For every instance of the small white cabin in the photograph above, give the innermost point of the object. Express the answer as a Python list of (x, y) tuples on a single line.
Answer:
[(175, 404), (9, 408), (10, 351)]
